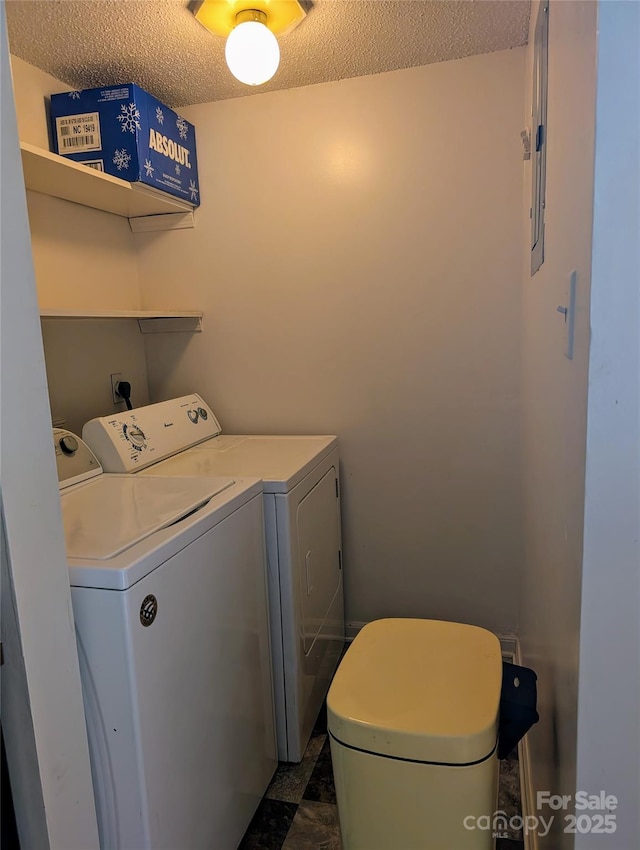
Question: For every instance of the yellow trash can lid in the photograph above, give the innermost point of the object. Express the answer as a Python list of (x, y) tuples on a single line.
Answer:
[(424, 690)]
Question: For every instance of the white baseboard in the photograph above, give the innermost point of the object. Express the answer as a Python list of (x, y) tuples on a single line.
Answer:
[(516, 653), (527, 794), (508, 643)]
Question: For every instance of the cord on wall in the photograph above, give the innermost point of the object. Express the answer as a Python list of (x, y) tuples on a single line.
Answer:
[(123, 389)]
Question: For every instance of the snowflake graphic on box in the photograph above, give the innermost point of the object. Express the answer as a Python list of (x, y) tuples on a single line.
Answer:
[(149, 169), (159, 115), (193, 190), (177, 169), (181, 124), (121, 159), (128, 118), (74, 95)]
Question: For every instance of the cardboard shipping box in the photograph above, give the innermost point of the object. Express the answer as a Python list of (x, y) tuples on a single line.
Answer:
[(127, 132)]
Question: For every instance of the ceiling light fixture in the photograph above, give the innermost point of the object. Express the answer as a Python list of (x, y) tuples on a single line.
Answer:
[(252, 51)]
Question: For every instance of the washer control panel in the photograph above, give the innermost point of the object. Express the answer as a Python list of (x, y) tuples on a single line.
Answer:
[(74, 459), (134, 439)]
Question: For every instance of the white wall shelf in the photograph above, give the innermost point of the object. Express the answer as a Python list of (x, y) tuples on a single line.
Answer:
[(50, 174), (149, 321)]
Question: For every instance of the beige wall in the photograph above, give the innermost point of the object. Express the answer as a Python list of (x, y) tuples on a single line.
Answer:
[(31, 90), (84, 260), (554, 402), (357, 256), (81, 357)]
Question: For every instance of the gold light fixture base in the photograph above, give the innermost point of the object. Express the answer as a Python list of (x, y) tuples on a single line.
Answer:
[(221, 16), (251, 15)]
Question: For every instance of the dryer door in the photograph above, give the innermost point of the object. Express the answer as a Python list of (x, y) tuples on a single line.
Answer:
[(318, 556)]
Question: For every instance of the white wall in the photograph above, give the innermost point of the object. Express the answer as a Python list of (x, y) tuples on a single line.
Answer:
[(554, 400), (42, 712), (357, 257), (609, 689)]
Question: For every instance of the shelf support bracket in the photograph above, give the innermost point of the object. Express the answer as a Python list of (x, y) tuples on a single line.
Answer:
[(163, 221), (186, 324)]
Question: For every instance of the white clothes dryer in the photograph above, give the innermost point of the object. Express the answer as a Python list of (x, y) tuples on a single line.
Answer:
[(169, 598), (300, 477)]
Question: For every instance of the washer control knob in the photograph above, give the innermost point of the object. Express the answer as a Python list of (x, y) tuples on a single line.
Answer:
[(69, 444), (193, 415), (203, 413), (135, 436)]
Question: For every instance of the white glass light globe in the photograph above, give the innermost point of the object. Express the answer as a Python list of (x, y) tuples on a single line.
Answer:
[(252, 53)]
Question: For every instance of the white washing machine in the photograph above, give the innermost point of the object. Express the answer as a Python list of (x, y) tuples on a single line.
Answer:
[(170, 605), (302, 526)]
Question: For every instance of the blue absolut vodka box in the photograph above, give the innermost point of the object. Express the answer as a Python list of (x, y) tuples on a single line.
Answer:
[(127, 132)]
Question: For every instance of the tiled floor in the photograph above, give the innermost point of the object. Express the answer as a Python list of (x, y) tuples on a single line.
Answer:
[(299, 809)]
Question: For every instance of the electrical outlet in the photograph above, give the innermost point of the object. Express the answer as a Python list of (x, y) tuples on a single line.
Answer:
[(116, 377)]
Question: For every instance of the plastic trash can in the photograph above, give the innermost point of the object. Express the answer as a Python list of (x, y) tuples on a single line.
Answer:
[(413, 722)]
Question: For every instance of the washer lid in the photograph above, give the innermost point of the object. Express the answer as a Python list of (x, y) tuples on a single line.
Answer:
[(424, 690), (114, 512)]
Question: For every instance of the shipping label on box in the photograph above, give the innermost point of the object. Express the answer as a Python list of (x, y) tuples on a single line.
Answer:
[(127, 132)]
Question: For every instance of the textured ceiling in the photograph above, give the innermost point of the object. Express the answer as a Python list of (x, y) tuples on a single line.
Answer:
[(159, 45)]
